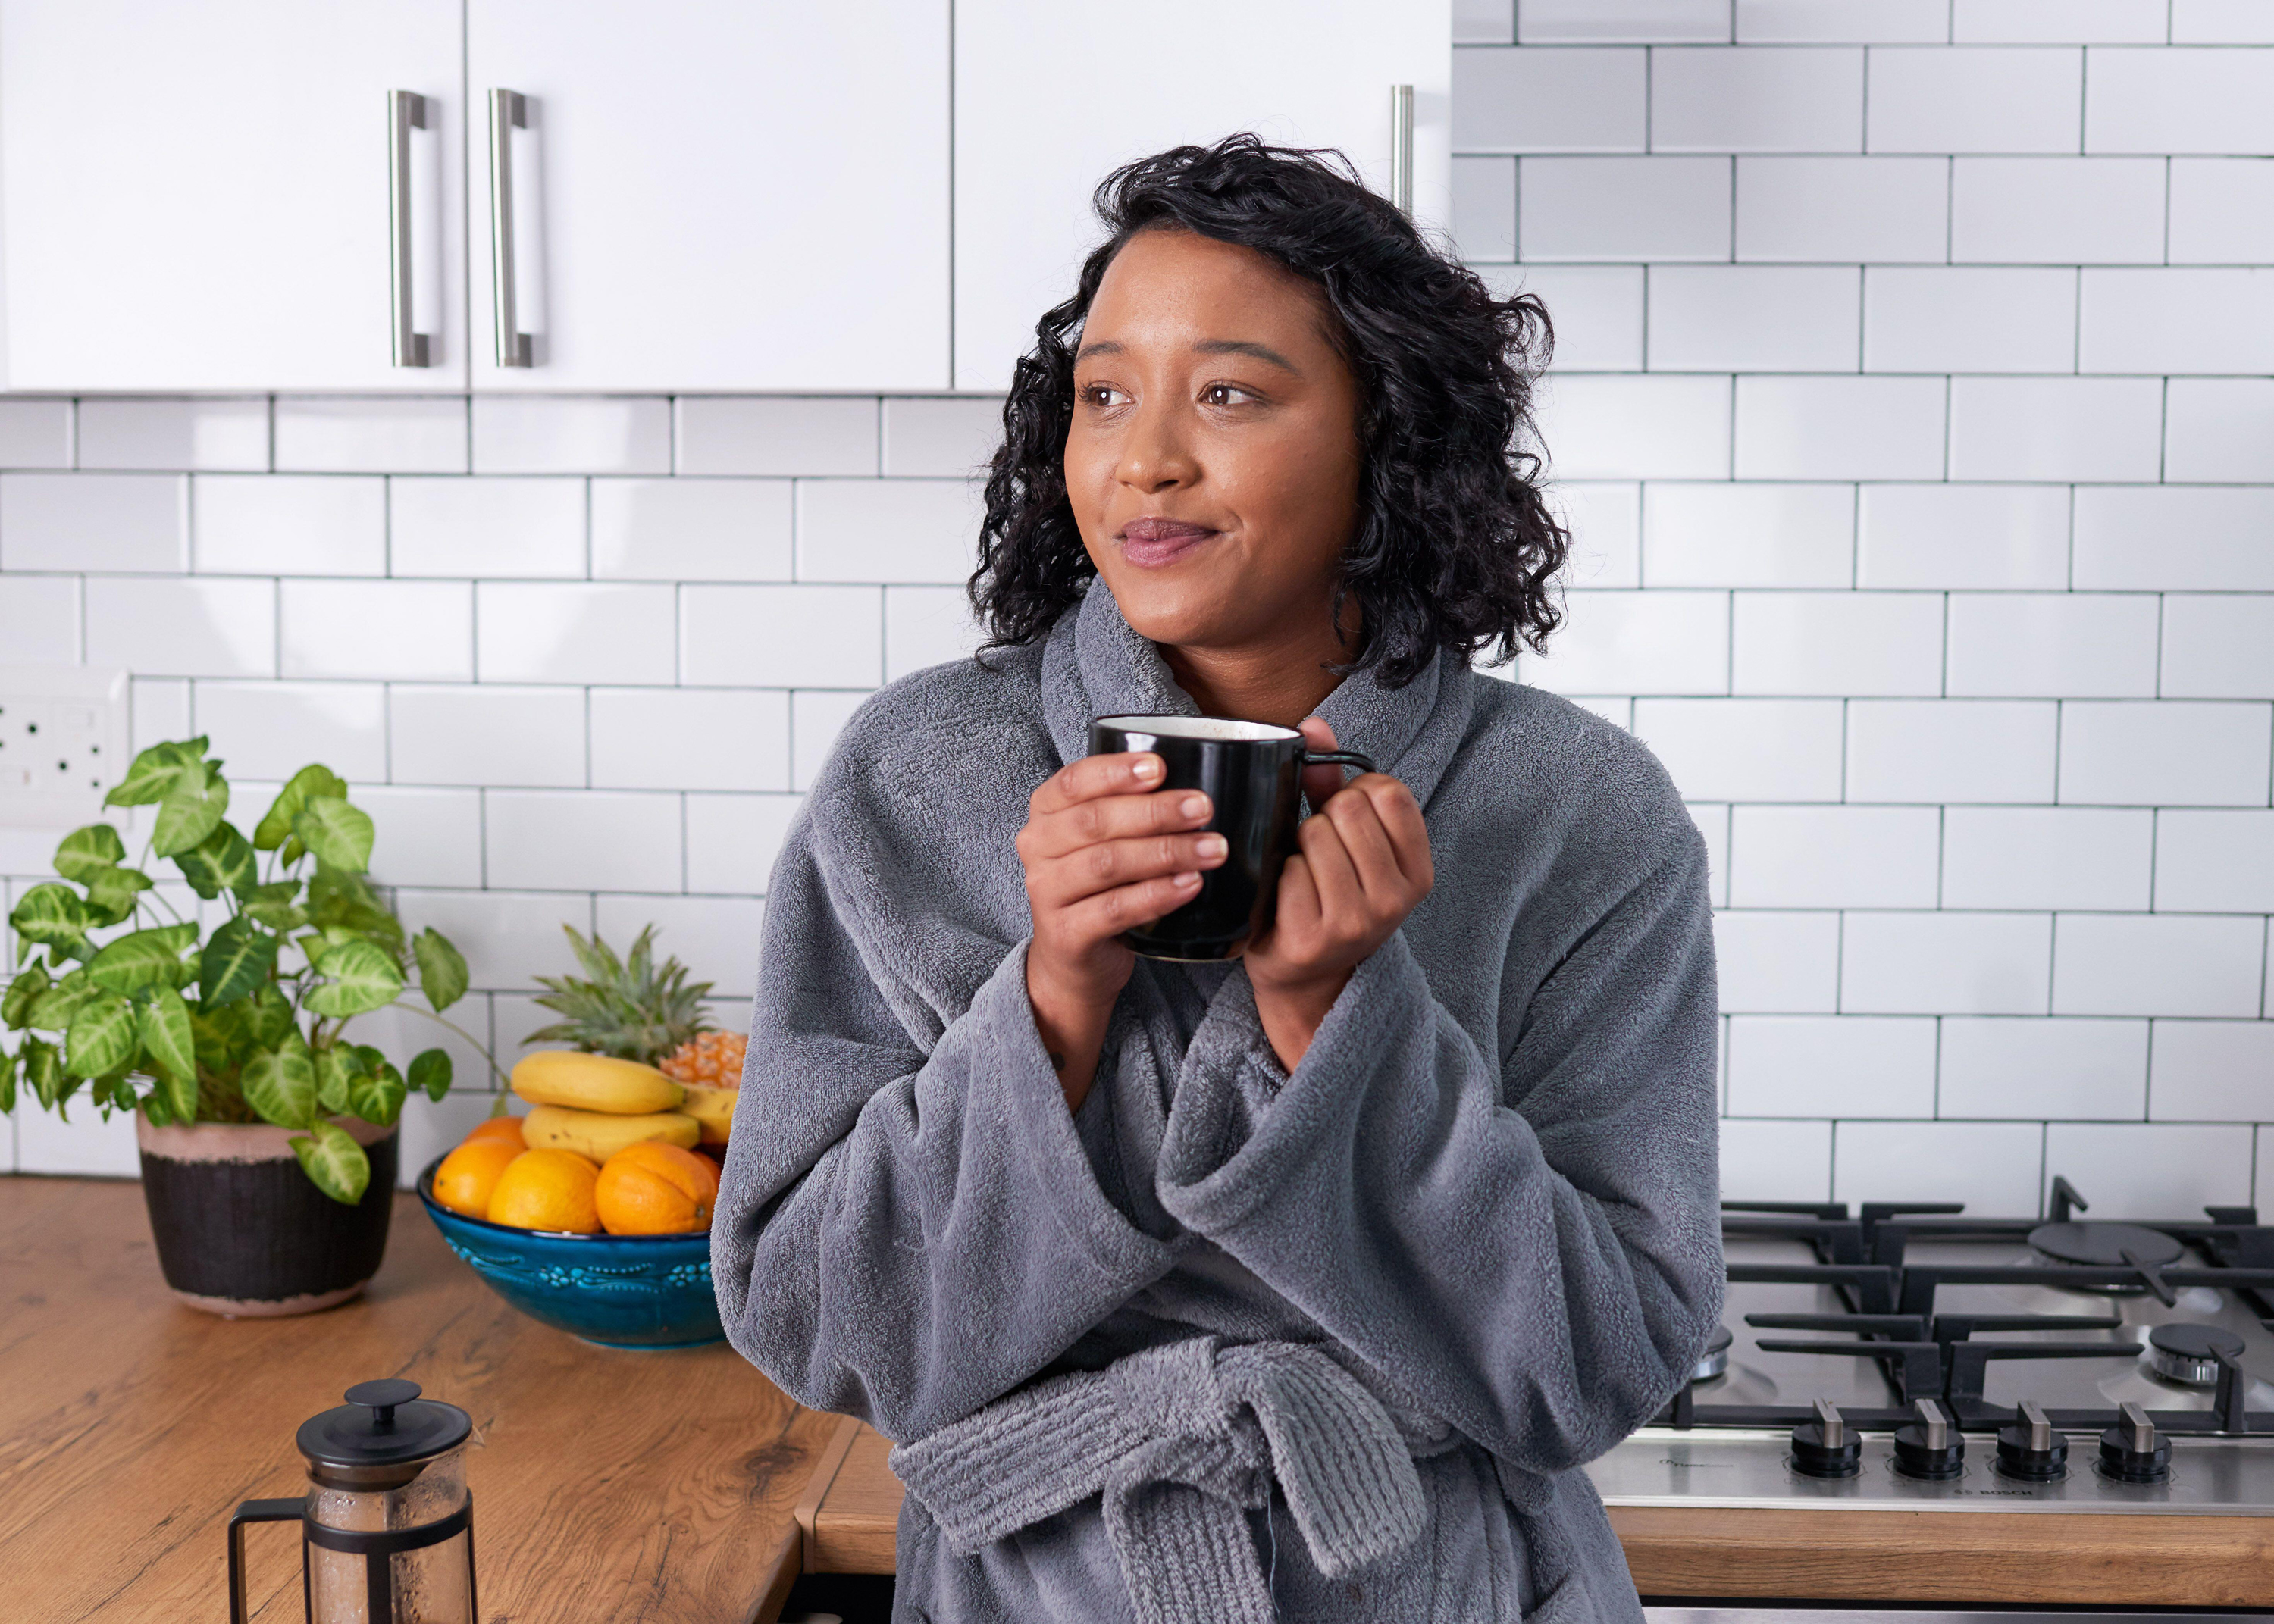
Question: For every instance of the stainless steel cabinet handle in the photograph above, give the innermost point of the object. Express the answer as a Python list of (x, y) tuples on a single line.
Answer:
[(1401, 147), (406, 110), (508, 110)]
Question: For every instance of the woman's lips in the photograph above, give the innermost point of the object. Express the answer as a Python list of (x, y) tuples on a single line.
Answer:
[(1151, 542)]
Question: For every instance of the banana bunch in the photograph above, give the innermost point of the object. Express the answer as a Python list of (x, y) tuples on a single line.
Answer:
[(595, 1105)]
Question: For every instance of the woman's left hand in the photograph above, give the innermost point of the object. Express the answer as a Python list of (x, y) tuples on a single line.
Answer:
[(1363, 865)]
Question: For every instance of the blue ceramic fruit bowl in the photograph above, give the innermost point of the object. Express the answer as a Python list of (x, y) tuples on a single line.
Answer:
[(619, 1291)]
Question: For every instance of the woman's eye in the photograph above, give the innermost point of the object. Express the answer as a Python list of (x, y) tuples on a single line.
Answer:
[(1102, 394), (1225, 394)]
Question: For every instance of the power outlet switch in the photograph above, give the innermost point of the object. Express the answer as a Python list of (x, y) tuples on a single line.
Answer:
[(63, 742)]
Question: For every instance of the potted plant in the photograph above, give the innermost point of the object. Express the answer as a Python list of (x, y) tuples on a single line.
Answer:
[(268, 1138)]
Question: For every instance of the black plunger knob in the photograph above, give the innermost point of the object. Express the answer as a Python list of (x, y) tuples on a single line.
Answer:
[(1826, 1447), (1930, 1446), (381, 1398), (2133, 1451), (2031, 1449)]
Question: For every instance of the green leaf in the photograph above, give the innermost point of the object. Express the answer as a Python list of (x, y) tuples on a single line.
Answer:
[(430, 1072), (310, 783), (88, 852), (23, 992), (337, 1068), (339, 834), (280, 1083), (43, 1069), (191, 810), (220, 1037), (273, 906), (377, 1097), (53, 1010), (110, 894), (223, 861), (293, 852), (142, 959), (342, 903), (152, 776), (164, 1024), (443, 973), (333, 1161), (7, 1082), (102, 1037), (237, 959), (359, 977), (53, 915), (269, 1014)]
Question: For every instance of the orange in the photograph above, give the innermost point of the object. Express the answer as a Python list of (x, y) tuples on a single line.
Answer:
[(546, 1190), (506, 1128), (655, 1189), (470, 1173)]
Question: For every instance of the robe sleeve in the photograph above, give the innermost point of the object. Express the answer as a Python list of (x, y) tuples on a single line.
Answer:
[(905, 1230), (1529, 1246)]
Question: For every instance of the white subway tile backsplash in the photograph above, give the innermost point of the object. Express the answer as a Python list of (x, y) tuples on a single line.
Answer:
[(2219, 103), (510, 528), (2218, 647), (2056, 211), (530, 738), (1877, 643), (40, 619), (110, 523), (690, 529), (1983, 99), (1604, 522), (1638, 643), (886, 530), (1549, 99), (506, 936), (2008, 1068), (2054, 428), (718, 936), (776, 435), (35, 433), (571, 434), (2211, 1071), (1946, 963), (385, 434), (1749, 535), (1993, 1167), (1843, 208), (816, 720), (161, 708), (2174, 537), (2042, 645), (1798, 1065), (2192, 320), (1769, 1161), (1484, 210), (1962, 535), (80, 1142), (2157, 964), (732, 840), (1737, 318), (2059, 22), (1834, 857), (2222, 210), (2168, 1170), (1777, 963), (420, 630), (942, 437), (2215, 862), (176, 627), (271, 730), (2047, 857), (2218, 429), (603, 840), (1597, 310), (1672, 427), (211, 433), (425, 836), (1842, 22), (927, 625), (1995, 318), (1484, 22), (548, 632), (288, 524), (1839, 428), (1750, 749), (2221, 22), (782, 637), (1624, 208), (1602, 22), (1733, 99), (2168, 753), (1714, 824), (690, 739)]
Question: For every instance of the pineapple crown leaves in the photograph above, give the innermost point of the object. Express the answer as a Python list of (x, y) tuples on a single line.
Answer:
[(630, 1008)]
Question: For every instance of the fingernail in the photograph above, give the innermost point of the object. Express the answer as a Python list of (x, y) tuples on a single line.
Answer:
[(1148, 767), (1194, 806), (1186, 882), (1213, 846)]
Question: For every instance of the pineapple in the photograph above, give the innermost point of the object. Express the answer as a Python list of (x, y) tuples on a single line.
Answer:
[(632, 1008), (708, 1060)]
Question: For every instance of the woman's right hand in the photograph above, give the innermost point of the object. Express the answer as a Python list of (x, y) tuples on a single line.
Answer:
[(1104, 851)]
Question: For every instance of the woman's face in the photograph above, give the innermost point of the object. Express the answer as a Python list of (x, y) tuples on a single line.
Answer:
[(1212, 460)]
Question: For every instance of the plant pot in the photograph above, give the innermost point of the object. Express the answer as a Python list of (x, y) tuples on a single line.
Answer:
[(242, 1232)]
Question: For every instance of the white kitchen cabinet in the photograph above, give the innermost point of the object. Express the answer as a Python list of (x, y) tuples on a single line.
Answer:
[(1050, 95), (717, 196), (200, 197)]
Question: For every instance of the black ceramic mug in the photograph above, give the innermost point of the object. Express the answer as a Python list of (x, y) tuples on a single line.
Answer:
[(1252, 773)]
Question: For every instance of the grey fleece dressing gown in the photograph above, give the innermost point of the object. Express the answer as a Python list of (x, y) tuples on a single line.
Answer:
[(1488, 1191)]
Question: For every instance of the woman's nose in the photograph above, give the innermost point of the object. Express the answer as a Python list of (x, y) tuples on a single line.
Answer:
[(1157, 456)]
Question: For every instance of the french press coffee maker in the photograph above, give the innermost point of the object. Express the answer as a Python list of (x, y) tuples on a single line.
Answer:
[(387, 1529)]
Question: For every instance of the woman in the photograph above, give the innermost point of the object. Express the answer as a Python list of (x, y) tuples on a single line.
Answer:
[(1296, 1286)]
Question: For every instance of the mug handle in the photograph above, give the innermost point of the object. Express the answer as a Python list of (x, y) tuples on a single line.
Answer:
[(1337, 758)]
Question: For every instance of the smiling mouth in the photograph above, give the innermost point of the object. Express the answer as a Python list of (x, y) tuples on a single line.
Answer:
[(1151, 542)]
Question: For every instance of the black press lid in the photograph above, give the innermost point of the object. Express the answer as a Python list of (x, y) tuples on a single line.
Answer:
[(383, 1423)]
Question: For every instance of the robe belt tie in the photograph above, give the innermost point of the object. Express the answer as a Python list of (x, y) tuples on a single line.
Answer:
[(1181, 1440)]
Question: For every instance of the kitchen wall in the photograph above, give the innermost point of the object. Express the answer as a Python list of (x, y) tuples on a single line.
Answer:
[(1911, 409)]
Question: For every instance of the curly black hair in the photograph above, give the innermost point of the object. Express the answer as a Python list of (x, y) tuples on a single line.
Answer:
[(1454, 547)]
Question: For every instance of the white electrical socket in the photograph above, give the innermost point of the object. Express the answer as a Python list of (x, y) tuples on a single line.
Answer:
[(63, 742)]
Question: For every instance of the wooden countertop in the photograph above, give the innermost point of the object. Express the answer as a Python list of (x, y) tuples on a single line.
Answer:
[(610, 1484)]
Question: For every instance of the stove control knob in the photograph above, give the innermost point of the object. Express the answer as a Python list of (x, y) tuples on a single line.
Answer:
[(2133, 1451), (1826, 1447), (1930, 1447), (2031, 1449)]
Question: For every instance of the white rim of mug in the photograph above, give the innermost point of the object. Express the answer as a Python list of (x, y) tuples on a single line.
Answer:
[(1203, 729)]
